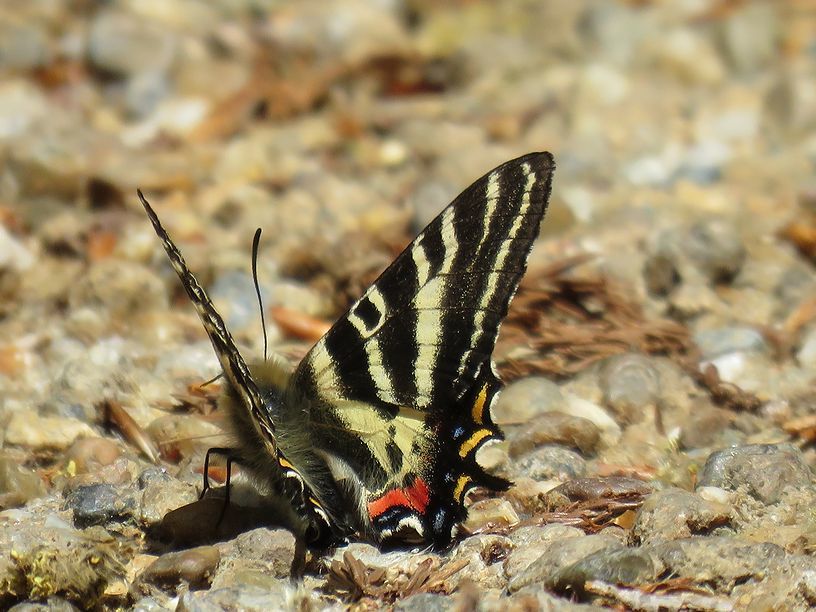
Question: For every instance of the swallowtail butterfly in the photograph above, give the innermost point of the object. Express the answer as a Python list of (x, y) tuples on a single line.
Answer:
[(375, 432)]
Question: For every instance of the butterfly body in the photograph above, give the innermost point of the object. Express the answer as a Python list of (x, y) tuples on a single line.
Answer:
[(376, 431)]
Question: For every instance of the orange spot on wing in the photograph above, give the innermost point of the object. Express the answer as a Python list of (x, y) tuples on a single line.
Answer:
[(415, 496)]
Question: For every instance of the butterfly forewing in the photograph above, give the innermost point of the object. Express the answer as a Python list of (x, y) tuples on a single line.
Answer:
[(400, 386)]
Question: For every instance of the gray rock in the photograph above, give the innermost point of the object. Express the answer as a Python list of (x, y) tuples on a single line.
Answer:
[(524, 399), (424, 602), (750, 37), (52, 604), (766, 470), (557, 428), (530, 541), (98, 504), (23, 46), (623, 566), (719, 561), (559, 556), (550, 462), (144, 91), (124, 44), (716, 249), (484, 553), (18, 484), (673, 514), (194, 567), (250, 598), (584, 489), (724, 340), (630, 383)]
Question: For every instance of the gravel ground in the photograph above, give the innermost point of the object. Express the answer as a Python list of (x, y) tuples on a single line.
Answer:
[(660, 410)]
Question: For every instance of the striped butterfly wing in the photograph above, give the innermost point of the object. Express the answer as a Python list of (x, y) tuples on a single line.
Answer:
[(242, 384), (400, 387)]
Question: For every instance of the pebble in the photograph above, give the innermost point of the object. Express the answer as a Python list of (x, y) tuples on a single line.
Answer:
[(194, 568), (490, 513), (99, 504), (630, 384), (125, 45), (550, 462), (766, 470), (716, 249), (525, 399), (613, 565), (89, 454), (557, 428), (672, 514), (250, 598), (560, 555), (530, 540), (724, 340), (18, 484), (263, 553), (14, 255), (42, 432), (584, 489), (424, 602)]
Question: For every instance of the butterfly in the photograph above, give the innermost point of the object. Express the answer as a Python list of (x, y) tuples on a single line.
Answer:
[(375, 432)]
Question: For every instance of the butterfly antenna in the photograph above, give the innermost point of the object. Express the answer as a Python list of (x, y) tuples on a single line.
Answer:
[(255, 243)]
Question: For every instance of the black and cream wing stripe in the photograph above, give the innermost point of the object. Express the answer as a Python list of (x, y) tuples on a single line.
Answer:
[(234, 367), (427, 326)]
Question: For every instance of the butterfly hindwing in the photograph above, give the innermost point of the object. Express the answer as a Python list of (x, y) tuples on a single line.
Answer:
[(401, 385), (243, 390)]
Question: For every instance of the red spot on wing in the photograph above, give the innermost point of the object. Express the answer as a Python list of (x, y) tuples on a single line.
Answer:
[(415, 496)]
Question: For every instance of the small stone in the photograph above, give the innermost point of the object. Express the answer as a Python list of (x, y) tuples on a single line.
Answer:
[(806, 355), (430, 197), (23, 46), (558, 428), (585, 489), (630, 384), (524, 399), (162, 494), (550, 462), (261, 552), (672, 514), (720, 561), (750, 37), (13, 253), (22, 105), (766, 470), (489, 513), (706, 428), (89, 454), (248, 597), (125, 45), (40, 432), (529, 542), (99, 504), (561, 555), (18, 484), (484, 553), (724, 340), (716, 249), (425, 602), (194, 567), (613, 565)]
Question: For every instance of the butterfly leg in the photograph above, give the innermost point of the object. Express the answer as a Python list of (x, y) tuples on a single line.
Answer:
[(230, 459), (224, 452)]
